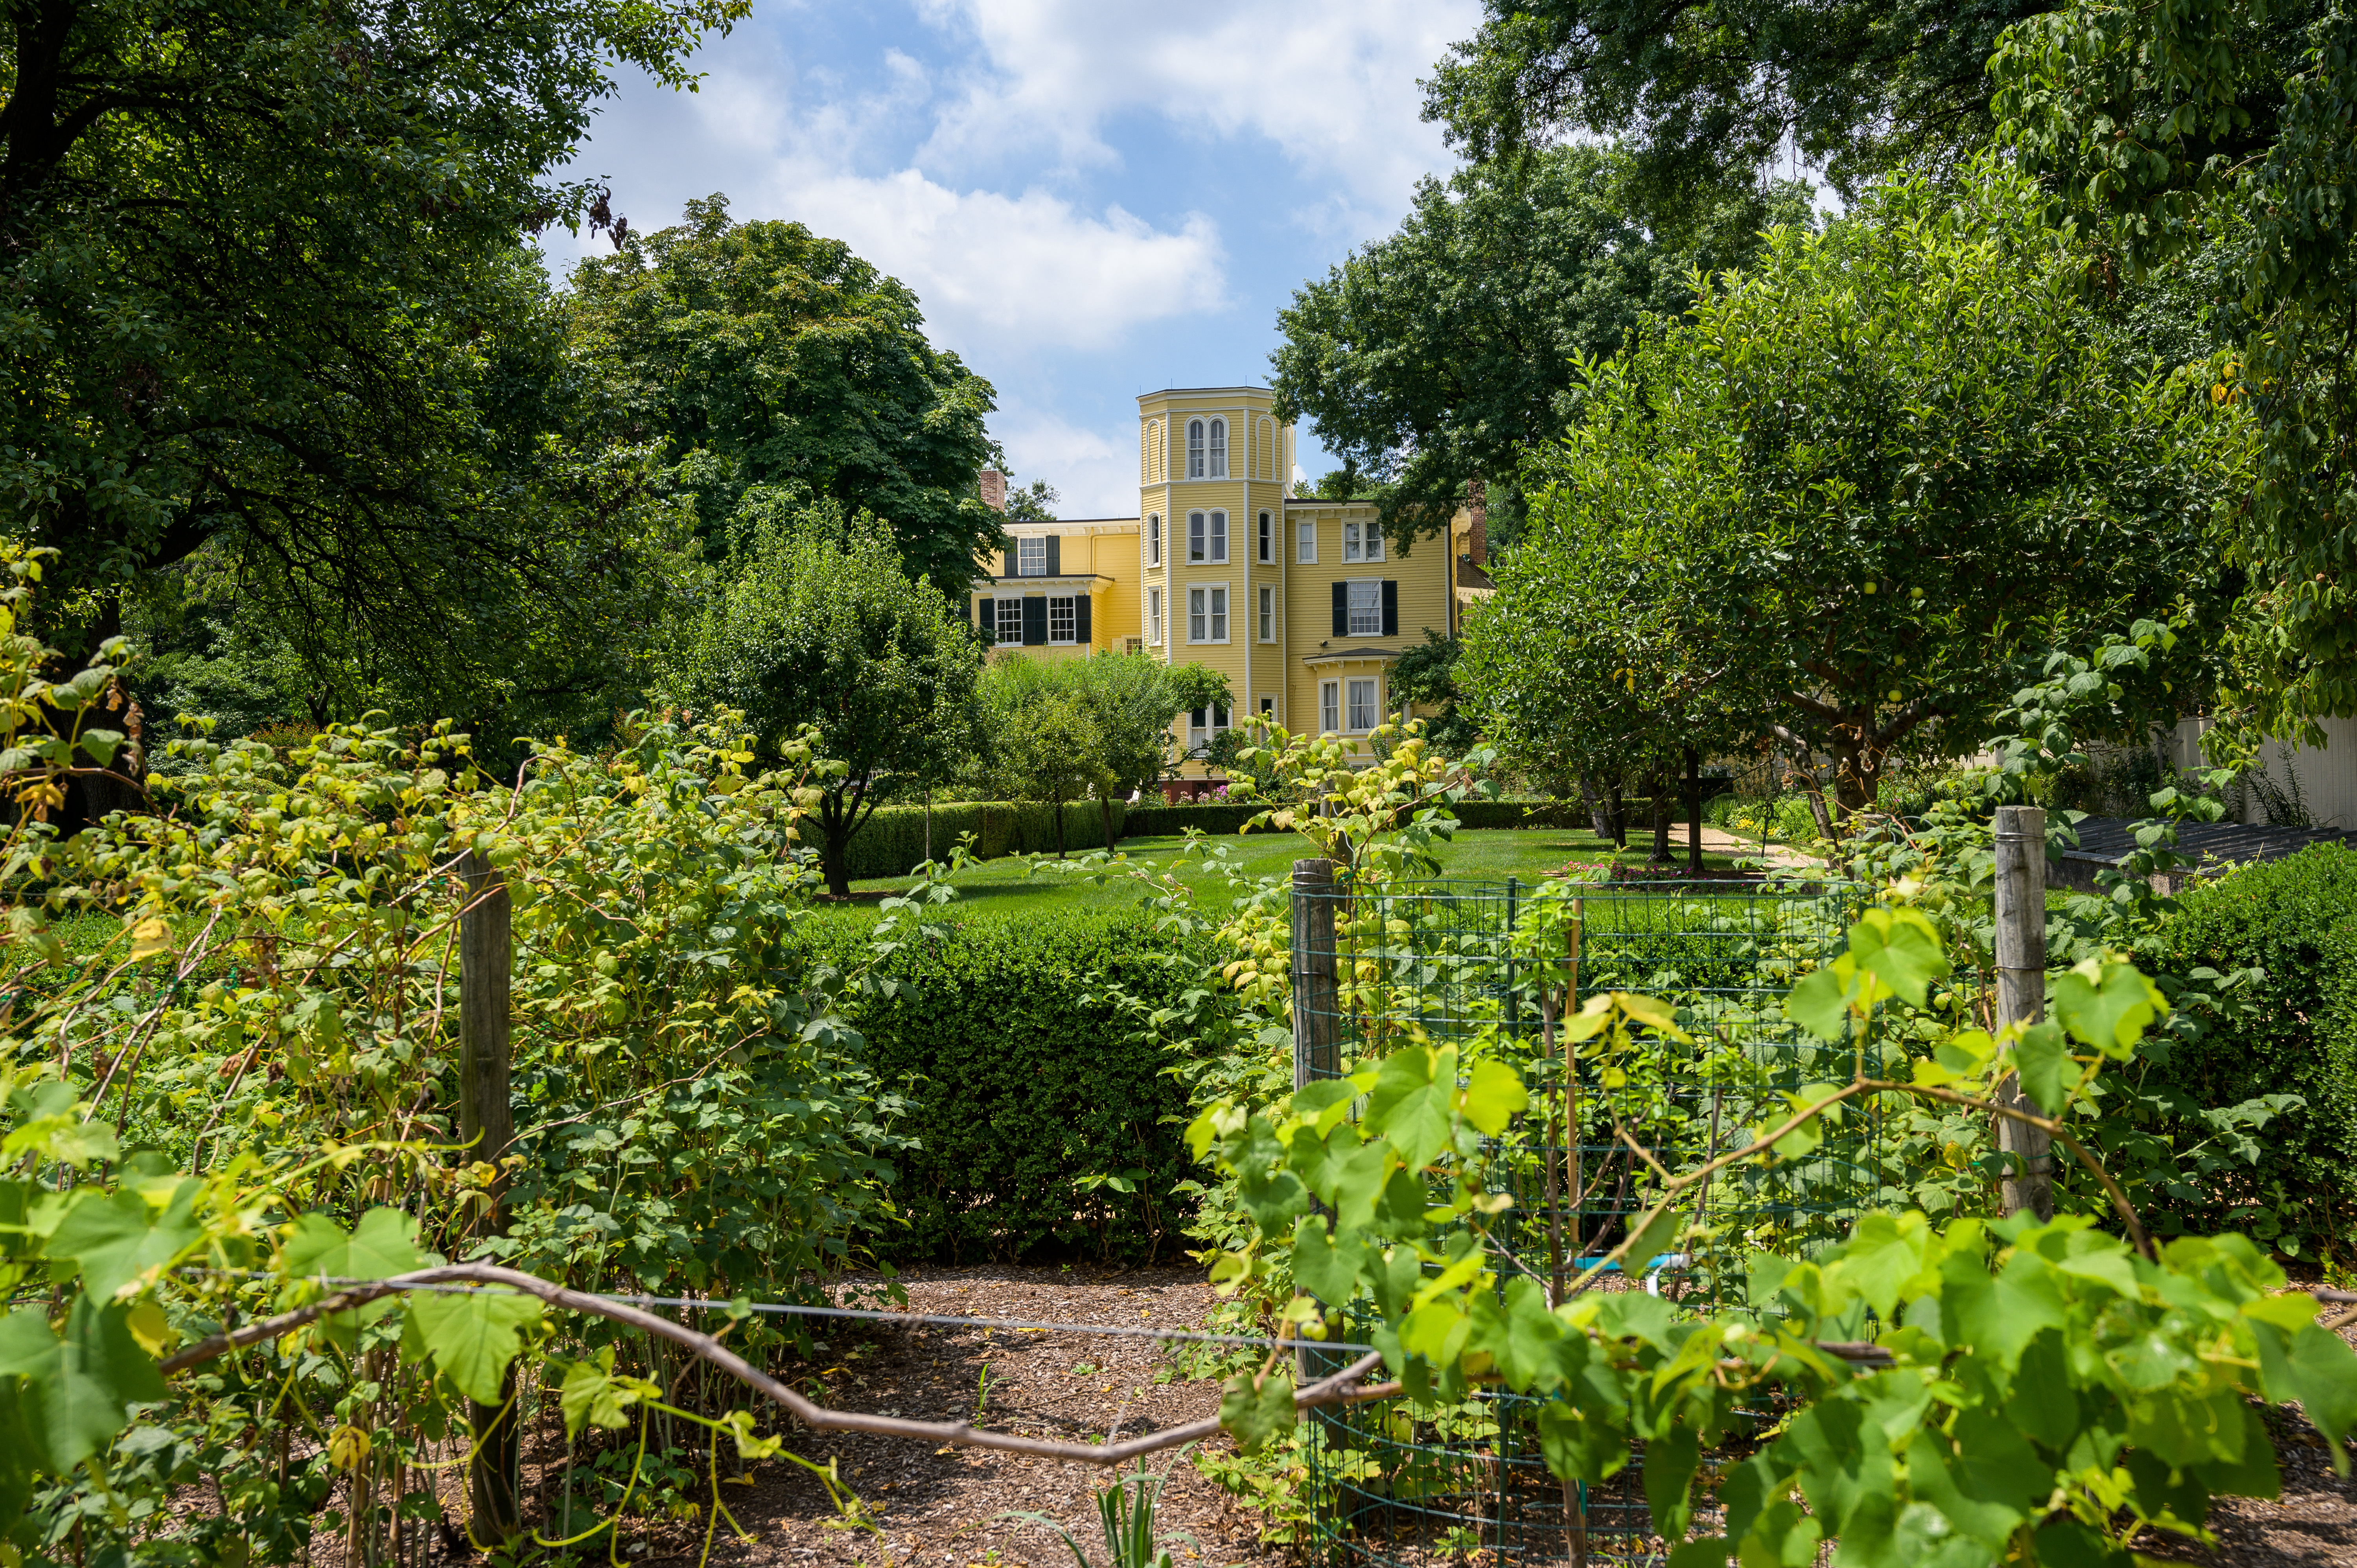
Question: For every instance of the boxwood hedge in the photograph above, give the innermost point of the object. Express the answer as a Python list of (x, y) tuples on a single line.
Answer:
[(1027, 1082), (891, 841), (2295, 920)]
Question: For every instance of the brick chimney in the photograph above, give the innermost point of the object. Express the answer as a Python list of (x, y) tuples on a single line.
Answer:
[(1476, 540), (994, 489)]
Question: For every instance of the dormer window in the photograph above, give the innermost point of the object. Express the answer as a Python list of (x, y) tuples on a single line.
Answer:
[(1362, 542), (1219, 456), (1030, 557), (1194, 448)]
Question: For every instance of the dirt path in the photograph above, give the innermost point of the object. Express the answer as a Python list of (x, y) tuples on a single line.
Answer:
[(942, 1508)]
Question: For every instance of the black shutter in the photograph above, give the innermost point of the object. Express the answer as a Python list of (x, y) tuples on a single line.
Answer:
[(986, 617), (1081, 632), (1342, 609), (1010, 563), (1055, 567), (1391, 607), (1035, 622)]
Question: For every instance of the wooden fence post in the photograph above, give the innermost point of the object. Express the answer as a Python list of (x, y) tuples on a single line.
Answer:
[(1314, 1025), (2029, 1179), (487, 1125)]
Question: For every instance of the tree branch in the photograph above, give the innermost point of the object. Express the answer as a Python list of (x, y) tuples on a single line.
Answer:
[(1342, 1388)]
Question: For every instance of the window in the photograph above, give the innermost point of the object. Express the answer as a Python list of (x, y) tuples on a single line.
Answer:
[(1305, 542), (1268, 707), (1366, 603), (1219, 469), (1030, 557), (1329, 705), (1154, 540), (1010, 621), (1152, 455), (1194, 448), (1268, 615), (1060, 620), (1207, 615), (1267, 539), (1265, 452), (1133, 645), (1364, 715), (1199, 734), (1362, 542), (1154, 617), (1207, 536)]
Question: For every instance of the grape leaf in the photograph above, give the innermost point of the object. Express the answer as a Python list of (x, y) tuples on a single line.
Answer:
[(119, 1237), (471, 1335), (1256, 1416), (77, 1385)]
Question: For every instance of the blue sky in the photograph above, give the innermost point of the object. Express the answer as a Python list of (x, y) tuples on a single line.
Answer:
[(1092, 199)]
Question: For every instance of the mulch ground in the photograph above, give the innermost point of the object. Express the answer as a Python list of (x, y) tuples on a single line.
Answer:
[(940, 1508)]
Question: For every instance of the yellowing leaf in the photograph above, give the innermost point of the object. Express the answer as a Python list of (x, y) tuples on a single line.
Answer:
[(150, 936)]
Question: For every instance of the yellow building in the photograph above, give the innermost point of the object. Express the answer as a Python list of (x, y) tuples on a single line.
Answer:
[(1300, 602)]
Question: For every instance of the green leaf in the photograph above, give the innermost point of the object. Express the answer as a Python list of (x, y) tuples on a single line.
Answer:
[(2043, 1057), (471, 1335), (1327, 1270), (76, 1386), (2315, 1366), (1652, 1241), (1998, 1315), (1670, 1460), (1272, 1199), (1990, 1484), (17, 1447), (121, 1238), (1256, 1416), (1704, 1552), (383, 1245), (1820, 1003), (1411, 1103), (1901, 948), (2067, 1543), (2107, 1007), (1494, 1096), (593, 1396), (1583, 1441)]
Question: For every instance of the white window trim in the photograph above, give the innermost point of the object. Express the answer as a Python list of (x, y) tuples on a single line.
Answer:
[(1153, 539), (1023, 548), (1072, 613), (1363, 541), (1304, 533), (1329, 707), (1154, 617), (1265, 540), (1216, 451), (1374, 582), (1001, 630), (1194, 449), (1226, 616), (1218, 536), (1267, 612), (1375, 705)]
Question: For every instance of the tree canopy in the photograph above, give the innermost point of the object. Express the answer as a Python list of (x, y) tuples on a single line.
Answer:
[(761, 354), (1819, 504), (268, 288), (1433, 357), (811, 622)]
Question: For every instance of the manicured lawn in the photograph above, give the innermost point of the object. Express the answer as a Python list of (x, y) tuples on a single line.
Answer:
[(1013, 886)]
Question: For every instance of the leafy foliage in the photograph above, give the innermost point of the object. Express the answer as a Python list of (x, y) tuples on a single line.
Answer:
[(1818, 502), (814, 622), (761, 356)]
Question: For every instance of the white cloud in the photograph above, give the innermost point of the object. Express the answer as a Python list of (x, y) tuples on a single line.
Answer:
[(1329, 82), (1029, 269), (1094, 474)]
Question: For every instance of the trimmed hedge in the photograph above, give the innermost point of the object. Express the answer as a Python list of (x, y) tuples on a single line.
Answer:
[(1220, 817), (1213, 817), (2295, 918), (891, 841), (1026, 1078)]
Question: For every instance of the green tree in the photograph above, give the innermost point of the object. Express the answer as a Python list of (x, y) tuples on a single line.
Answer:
[(1034, 502), (269, 290), (1049, 748), (1868, 518), (2224, 136), (1425, 676), (813, 622), (1433, 357), (760, 354), (1130, 701)]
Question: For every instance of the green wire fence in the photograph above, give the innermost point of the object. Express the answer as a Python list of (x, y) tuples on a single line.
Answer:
[(1448, 962)]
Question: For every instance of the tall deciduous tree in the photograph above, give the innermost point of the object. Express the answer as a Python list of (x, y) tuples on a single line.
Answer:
[(761, 354), (813, 621), (1433, 357), (268, 287), (1867, 479), (1129, 701)]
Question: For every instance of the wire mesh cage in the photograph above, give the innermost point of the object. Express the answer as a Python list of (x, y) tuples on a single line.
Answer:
[(1380, 964)]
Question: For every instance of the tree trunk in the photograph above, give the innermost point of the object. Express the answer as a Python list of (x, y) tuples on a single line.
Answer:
[(1620, 815), (1693, 811), (1599, 819), (1104, 807), (1661, 805), (1057, 807), (834, 851)]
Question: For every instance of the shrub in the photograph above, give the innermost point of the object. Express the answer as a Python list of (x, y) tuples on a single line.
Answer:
[(2295, 921), (1037, 1101), (891, 841), (1213, 817)]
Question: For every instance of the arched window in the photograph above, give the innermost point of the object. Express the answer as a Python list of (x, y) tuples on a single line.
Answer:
[(1219, 449), (1194, 448)]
